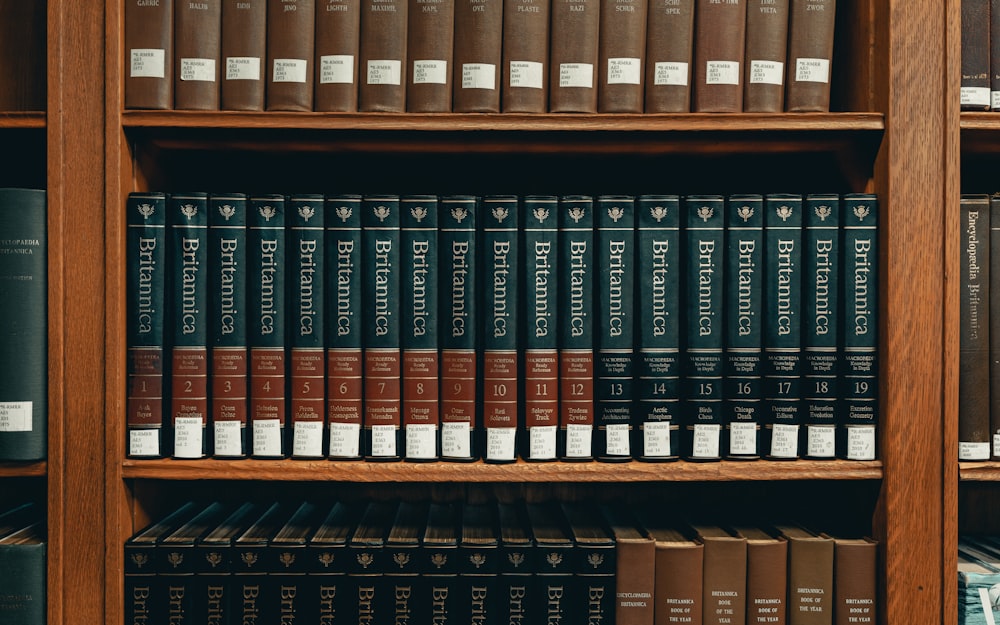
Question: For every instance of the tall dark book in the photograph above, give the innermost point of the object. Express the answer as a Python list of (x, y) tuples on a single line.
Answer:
[(252, 589), (724, 576), (719, 40), (573, 56), (338, 39), (766, 47), (459, 301), (289, 82), (306, 325), (23, 567), (214, 599), (402, 581), (501, 363), (744, 314), (420, 327), (635, 567), (704, 287), (767, 576), (782, 326), (479, 592), (678, 569), (149, 54), (178, 564), (430, 49), (367, 560), (266, 331), (187, 300), (810, 55), (525, 56), (658, 254), (994, 55), (994, 323), (478, 50), (576, 328), (382, 56), (669, 56), (615, 337), (810, 576), (197, 54), (146, 288), (344, 337), (860, 355), (289, 568), (621, 54), (557, 593), (24, 339), (855, 580), (594, 596), (331, 589), (439, 565), (23, 83), (540, 216), (244, 52), (518, 563)]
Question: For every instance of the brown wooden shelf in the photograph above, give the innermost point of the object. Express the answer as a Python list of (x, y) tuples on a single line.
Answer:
[(22, 119), (23, 469), (979, 471)]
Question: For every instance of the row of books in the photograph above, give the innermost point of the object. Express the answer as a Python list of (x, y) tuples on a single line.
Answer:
[(480, 56), (22, 565), (457, 327), (978, 579), (980, 82), (425, 562)]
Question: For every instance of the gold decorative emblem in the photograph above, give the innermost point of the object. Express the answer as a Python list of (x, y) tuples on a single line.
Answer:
[(500, 213), (146, 210), (344, 212), (459, 213), (382, 212), (554, 559), (189, 211), (287, 559), (823, 211), (577, 213), (402, 559), (616, 213), (175, 558), (706, 212), (595, 560), (516, 558), (227, 211), (249, 558), (439, 559), (365, 559), (541, 213), (267, 212), (140, 559), (214, 559), (784, 211), (861, 211), (477, 559), (326, 559), (307, 212), (419, 213), (658, 213), (745, 212)]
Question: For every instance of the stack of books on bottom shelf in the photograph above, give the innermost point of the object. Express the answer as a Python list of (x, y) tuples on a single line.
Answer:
[(978, 579), (510, 562), (22, 565)]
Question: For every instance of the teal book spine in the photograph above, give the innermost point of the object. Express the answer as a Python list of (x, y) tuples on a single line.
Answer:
[(266, 270), (744, 297), (187, 235), (24, 337), (576, 333), (22, 577), (704, 323), (420, 306), (615, 328), (381, 258), (306, 336), (459, 337), (859, 427), (227, 330), (146, 274), (500, 319), (540, 227), (345, 323), (658, 399), (782, 326), (820, 324)]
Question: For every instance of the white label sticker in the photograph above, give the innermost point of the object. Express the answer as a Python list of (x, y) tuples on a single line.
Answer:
[(384, 72), (576, 75), (384, 441), (706, 440), (336, 69), (656, 439), (618, 440), (812, 70), (767, 73), (144, 442), (147, 63), (227, 438), (743, 438), (526, 74), (188, 435), (202, 70), (500, 443), (15, 416), (242, 68), (974, 96), (861, 444), (624, 71), (479, 76), (421, 441), (973, 451), (995, 100), (722, 72), (455, 441), (820, 441), (430, 72), (579, 439), (670, 73), (290, 70), (266, 437), (542, 442), (784, 440), (307, 439), (345, 440)]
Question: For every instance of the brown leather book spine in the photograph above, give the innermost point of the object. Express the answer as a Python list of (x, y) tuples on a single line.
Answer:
[(338, 31), (767, 590), (810, 581), (810, 55), (290, 52), (621, 50), (149, 54), (724, 581), (525, 56), (22, 56), (635, 576), (197, 54), (430, 50), (244, 52), (855, 586), (573, 56), (678, 587), (478, 49), (767, 43), (669, 55), (383, 59), (720, 35)]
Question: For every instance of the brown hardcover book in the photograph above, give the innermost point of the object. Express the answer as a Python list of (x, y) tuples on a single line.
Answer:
[(724, 578), (525, 56), (383, 58), (22, 55), (678, 590), (573, 56), (197, 54), (430, 49), (720, 35), (478, 48), (855, 584), (767, 43), (621, 50), (290, 51), (767, 576), (244, 51), (810, 55), (669, 55), (810, 576), (635, 568), (338, 32), (974, 442), (149, 54)]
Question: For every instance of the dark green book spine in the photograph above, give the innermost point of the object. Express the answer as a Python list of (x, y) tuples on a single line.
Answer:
[(615, 368), (227, 283), (22, 577), (782, 326), (24, 337), (501, 371), (187, 218), (266, 257), (821, 328), (539, 214), (658, 253), (380, 299), (345, 321), (517, 566), (704, 234), (458, 262), (306, 306), (994, 303), (576, 332), (860, 276), (744, 304), (421, 362), (146, 273)]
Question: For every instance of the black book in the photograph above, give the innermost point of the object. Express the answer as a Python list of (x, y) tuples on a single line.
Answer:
[(288, 565), (329, 590), (439, 564), (478, 586), (975, 60), (367, 561), (517, 565), (23, 569), (255, 597), (178, 564), (404, 595), (994, 330), (213, 600), (594, 566), (554, 565)]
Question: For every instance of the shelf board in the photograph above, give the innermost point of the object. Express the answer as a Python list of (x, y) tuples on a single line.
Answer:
[(22, 119), (979, 471), (347, 471), (23, 469)]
